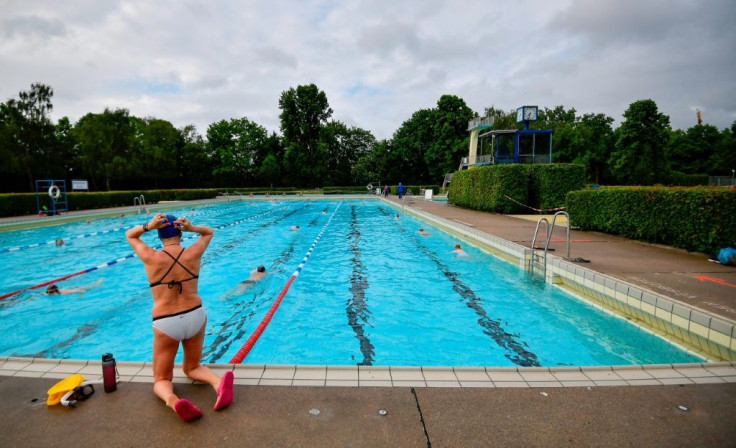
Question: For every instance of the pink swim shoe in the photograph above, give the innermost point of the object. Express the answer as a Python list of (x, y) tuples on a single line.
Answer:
[(186, 410), (225, 391)]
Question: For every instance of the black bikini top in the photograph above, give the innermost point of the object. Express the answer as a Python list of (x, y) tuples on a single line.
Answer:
[(173, 283)]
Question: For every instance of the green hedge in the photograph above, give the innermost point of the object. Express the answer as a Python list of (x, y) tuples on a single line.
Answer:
[(538, 186), (693, 218), (346, 190), (687, 180), (19, 204)]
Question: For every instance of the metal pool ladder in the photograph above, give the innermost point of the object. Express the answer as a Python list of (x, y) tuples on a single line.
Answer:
[(141, 202), (538, 261)]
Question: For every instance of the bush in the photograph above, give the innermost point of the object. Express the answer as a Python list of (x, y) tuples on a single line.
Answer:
[(687, 180), (695, 218), (347, 190), (550, 184), (19, 204), (538, 186)]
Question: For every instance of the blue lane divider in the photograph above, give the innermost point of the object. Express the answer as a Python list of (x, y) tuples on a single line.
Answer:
[(66, 239), (110, 263), (101, 232)]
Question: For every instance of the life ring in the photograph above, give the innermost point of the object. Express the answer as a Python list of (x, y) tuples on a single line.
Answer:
[(369, 187), (54, 192)]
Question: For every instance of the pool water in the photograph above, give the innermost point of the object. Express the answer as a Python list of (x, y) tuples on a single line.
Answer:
[(372, 292)]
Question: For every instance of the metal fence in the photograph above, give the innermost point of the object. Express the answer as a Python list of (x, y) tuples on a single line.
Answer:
[(721, 181)]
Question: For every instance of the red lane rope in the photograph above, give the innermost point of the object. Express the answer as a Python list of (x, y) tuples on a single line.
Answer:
[(41, 285), (556, 209), (245, 349)]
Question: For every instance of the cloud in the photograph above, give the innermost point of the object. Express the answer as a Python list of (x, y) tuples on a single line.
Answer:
[(33, 26), (198, 62)]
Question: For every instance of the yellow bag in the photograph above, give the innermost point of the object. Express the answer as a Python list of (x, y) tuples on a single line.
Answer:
[(58, 390)]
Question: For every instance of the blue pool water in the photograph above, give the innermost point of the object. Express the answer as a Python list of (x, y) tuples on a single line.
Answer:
[(373, 292)]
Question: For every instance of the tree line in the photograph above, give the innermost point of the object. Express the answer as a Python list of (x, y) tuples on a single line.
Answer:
[(114, 150)]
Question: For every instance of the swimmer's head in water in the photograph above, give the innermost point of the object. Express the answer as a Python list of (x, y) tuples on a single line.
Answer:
[(169, 231), (53, 289), (261, 268), (457, 246)]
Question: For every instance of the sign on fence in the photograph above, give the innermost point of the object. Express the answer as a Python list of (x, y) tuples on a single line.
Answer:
[(78, 184)]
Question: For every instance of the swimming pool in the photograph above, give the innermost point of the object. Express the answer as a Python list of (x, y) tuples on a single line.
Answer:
[(373, 292)]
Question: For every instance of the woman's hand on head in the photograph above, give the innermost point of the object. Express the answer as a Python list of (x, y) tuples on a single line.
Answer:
[(159, 221), (183, 224)]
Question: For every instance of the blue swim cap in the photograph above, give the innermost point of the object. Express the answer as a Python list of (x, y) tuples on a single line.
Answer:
[(169, 230)]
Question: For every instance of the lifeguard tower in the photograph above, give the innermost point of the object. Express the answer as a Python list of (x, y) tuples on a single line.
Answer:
[(509, 145)]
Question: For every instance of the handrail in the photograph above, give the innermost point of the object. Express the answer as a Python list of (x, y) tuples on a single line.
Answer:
[(546, 246), (141, 202), (549, 229), (567, 237)]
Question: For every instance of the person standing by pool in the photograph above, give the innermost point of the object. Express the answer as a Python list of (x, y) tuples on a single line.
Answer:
[(400, 189), (385, 191), (178, 316)]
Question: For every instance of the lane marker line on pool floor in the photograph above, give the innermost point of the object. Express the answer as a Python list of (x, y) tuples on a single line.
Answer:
[(245, 349)]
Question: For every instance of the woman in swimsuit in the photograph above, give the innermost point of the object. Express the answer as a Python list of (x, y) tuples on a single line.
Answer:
[(178, 316)]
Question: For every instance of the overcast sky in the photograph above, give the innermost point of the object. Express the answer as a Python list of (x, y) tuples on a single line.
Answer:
[(198, 62)]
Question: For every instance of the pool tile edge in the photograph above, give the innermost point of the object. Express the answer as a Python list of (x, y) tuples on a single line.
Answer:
[(402, 376)]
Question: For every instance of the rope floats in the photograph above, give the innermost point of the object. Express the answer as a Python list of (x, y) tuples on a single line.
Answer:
[(245, 349)]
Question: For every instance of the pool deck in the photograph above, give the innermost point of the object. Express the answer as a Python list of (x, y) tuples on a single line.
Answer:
[(329, 406)]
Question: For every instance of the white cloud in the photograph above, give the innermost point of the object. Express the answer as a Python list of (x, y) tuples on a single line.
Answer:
[(198, 62)]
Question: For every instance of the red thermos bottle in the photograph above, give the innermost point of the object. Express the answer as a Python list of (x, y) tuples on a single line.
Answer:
[(109, 379)]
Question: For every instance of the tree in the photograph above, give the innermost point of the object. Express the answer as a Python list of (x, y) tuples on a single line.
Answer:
[(639, 157), (723, 160), (304, 112), (195, 162), (592, 144), (159, 148), (374, 166), (343, 148), (693, 151), (269, 172), (450, 140), (65, 148), (26, 131), (562, 122), (408, 145), (235, 145), (105, 144)]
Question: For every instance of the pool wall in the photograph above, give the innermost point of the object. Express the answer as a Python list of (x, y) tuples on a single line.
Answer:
[(698, 330)]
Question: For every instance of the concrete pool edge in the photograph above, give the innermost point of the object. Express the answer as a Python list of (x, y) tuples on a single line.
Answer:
[(397, 376), (702, 332), (33, 221)]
